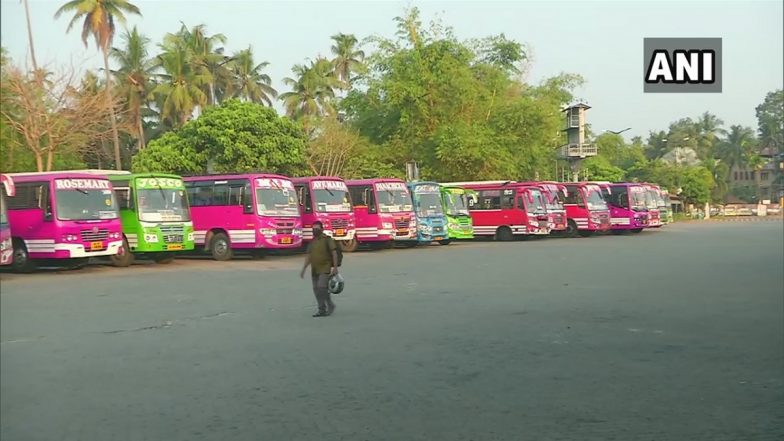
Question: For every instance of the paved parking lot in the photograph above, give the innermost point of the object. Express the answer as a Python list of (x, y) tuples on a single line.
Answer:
[(675, 334)]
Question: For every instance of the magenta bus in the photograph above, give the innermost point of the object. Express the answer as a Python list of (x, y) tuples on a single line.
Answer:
[(651, 200), (62, 217), (384, 212), (243, 212), (326, 199), (6, 245), (628, 210), (586, 210)]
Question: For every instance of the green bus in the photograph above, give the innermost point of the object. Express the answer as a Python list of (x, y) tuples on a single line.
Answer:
[(458, 220), (155, 216)]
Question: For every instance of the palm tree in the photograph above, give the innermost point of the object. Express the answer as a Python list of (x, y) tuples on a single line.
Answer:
[(737, 148), (99, 17), (207, 58), (180, 89), (250, 83), (30, 36), (134, 77), (708, 131), (314, 90), (348, 59)]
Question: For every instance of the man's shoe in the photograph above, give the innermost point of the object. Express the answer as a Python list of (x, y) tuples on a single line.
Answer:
[(320, 314)]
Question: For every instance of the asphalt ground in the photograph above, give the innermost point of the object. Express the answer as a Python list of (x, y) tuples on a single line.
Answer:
[(673, 334)]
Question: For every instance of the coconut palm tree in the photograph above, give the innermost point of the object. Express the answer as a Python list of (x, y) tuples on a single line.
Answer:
[(134, 78), (709, 128), (348, 59), (313, 90), (180, 87), (737, 147), (250, 83), (99, 17), (206, 56)]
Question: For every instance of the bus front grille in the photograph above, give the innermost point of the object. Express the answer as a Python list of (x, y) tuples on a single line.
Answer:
[(339, 223), (94, 236)]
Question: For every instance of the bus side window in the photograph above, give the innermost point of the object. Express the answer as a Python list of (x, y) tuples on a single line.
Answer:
[(45, 202), (247, 200), (220, 194), (370, 200), (123, 198), (520, 203), (307, 203)]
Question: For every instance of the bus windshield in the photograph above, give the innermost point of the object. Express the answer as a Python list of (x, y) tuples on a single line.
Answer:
[(394, 201), (276, 202), (456, 204), (75, 204), (594, 200), (429, 204), (162, 205), (538, 205), (638, 199), (332, 201), (650, 199)]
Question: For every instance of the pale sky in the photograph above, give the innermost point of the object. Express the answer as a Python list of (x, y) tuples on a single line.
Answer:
[(601, 40)]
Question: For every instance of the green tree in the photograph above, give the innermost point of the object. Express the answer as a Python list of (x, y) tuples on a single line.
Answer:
[(348, 58), (180, 87), (770, 121), (134, 79), (313, 90), (251, 84), (99, 17), (599, 168), (738, 148), (696, 183), (232, 137)]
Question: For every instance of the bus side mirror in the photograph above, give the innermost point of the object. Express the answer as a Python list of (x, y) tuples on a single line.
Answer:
[(247, 209), (48, 216)]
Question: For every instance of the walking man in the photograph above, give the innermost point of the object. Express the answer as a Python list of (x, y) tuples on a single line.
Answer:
[(323, 261)]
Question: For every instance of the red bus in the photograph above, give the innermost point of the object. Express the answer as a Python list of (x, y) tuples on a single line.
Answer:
[(586, 209), (554, 193), (506, 209)]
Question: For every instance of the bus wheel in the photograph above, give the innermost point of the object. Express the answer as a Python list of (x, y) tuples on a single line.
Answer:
[(124, 257), (571, 229), (445, 241), (349, 246), (585, 233), (637, 230), (220, 247), (504, 234), (163, 258), (22, 262)]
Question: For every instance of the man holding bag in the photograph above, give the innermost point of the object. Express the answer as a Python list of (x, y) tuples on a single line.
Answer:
[(322, 257)]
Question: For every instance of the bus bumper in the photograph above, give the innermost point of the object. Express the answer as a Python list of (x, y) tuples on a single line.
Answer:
[(76, 251)]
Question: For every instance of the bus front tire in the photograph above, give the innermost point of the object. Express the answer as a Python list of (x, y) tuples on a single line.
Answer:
[(585, 233), (124, 257), (22, 262), (571, 229), (504, 234), (163, 258), (349, 246), (445, 241), (220, 247)]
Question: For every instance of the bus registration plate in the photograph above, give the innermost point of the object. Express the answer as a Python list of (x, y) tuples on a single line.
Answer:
[(174, 246), (285, 240), (96, 246), (340, 232)]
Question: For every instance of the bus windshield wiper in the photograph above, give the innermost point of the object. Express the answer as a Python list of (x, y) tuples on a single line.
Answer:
[(81, 191)]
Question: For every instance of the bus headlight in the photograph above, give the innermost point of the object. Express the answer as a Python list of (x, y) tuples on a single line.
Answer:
[(386, 225), (115, 235), (267, 231), (190, 237), (451, 226), (425, 228), (5, 245), (70, 237), (151, 238), (297, 231)]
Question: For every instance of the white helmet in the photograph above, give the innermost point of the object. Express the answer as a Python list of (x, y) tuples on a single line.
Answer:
[(336, 284)]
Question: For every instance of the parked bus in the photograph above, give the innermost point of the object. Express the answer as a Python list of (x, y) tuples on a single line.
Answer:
[(662, 204), (155, 216), (429, 209), (554, 193), (6, 245), (651, 201), (668, 216), (586, 209), (383, 211), (250, 212), (326, 199), (628, 211), (506, 210), (458, 219), (62, 217)]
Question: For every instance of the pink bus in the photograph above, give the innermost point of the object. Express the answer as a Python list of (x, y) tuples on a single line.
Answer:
[(63, 217), (651, 200), (247, 212), (384, 212), (6, 246), (628, 210), (586, 209), (326, 199)]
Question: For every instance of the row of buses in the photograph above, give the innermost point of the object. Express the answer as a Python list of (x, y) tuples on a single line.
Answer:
[(67, 217)]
